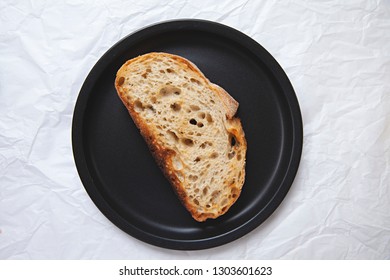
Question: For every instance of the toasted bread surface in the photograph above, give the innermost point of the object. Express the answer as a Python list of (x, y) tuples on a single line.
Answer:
[(189, 125)]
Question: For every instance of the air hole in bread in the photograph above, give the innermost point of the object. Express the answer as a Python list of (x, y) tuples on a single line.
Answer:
[(188, 142), (175, 107), (151, 108), (144, 75), (173, 135), (162, 71), (121, 80), (194, 107), (208, 205), (224, 209), (205, 190), (233, 140), (197, 159), (163, 91), (239, 156), (193, 121), (193, 178), (195, 81), (168, 89), (138, 106), (153, 99), (231, 154), (214, 155), (203, 145), (234, 191), (200, 124), (177, 164), (196, 201), (212, 101), (202, 115), (215, 195), (169, 70), (209, 118)]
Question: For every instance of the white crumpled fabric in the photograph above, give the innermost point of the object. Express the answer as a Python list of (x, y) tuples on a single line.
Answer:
[(337, 56)]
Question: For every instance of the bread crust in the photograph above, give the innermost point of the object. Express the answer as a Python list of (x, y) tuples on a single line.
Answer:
[(164, 156)]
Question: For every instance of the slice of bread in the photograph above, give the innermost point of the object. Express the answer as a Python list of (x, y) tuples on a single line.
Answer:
[(189, 125)]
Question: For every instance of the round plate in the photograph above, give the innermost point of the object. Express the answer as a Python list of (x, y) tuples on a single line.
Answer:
[(120, 174)]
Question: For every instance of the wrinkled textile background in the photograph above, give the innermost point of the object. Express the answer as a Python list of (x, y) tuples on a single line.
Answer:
[(337, 56)]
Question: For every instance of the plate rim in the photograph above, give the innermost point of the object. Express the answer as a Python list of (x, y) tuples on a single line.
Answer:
[(244, 41)]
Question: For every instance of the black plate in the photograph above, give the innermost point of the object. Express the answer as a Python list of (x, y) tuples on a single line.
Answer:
[(118, 170)]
